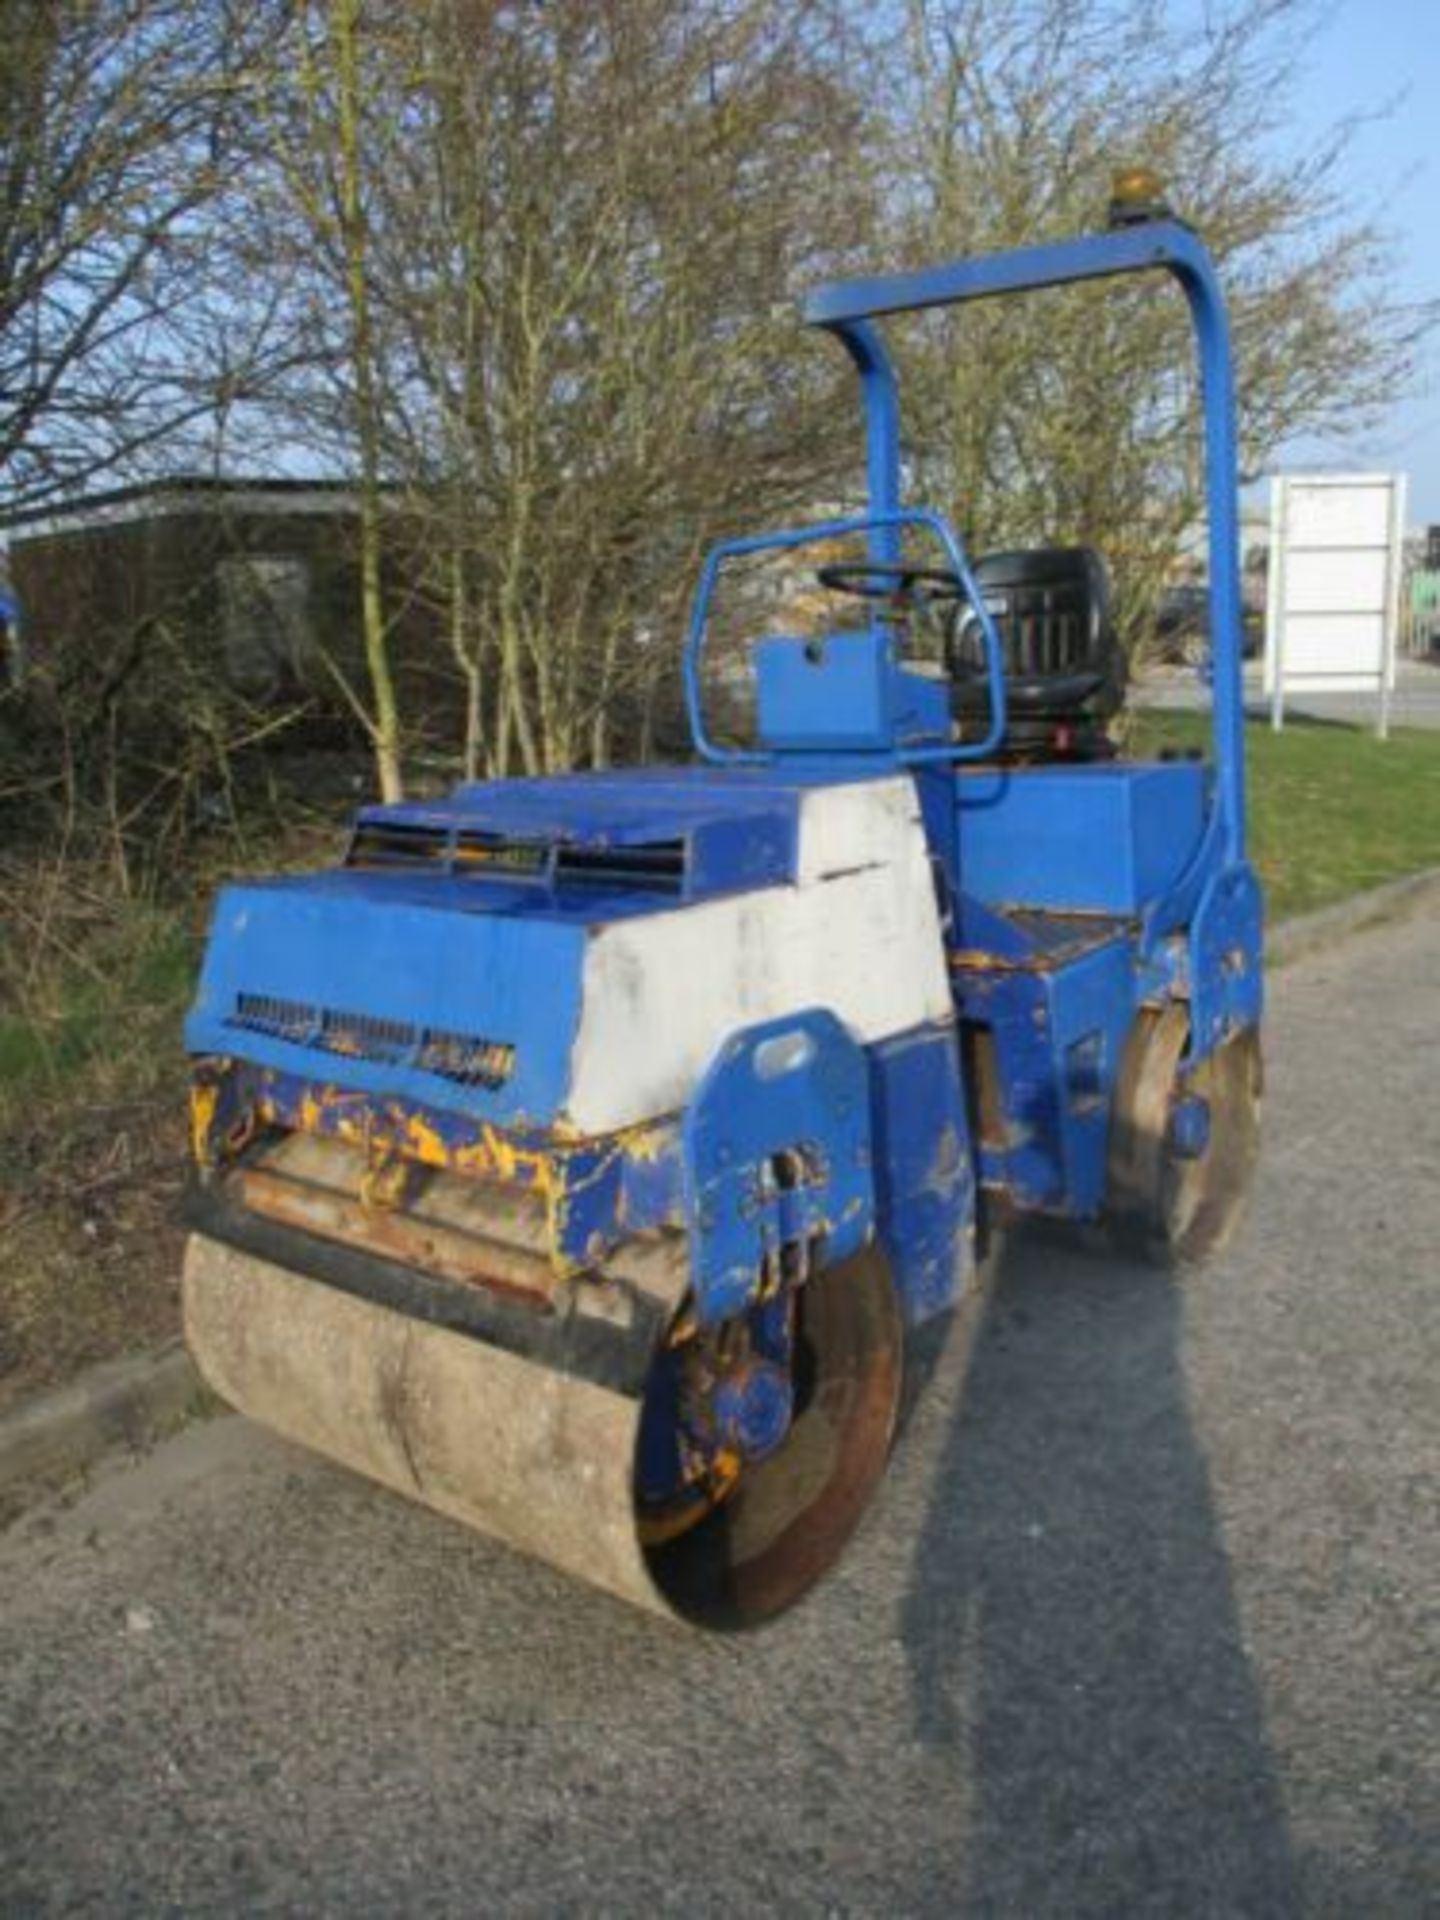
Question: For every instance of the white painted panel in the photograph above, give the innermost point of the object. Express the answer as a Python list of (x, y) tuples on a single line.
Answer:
[(1340, 512), (863, 825), (1334, 643), (1353, 580), (663, 991)]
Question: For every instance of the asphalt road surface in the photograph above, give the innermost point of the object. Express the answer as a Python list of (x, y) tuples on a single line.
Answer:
[(1143, 1621), (1414, 703)]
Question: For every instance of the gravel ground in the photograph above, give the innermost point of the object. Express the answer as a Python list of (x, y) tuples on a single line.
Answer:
[(1143, 1621)]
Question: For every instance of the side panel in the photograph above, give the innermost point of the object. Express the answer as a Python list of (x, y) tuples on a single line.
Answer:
[(662, 992), (1057, 1043), (1090, 839), (1226, 970), (924, 1168), (777, 1150), (823, 695), (882, 1137), (349, 987), (864, 824)]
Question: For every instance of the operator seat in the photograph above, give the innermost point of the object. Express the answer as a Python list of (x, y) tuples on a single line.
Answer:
[(1064, 667)]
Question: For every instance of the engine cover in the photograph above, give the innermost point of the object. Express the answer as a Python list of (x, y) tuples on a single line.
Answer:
[(568, 955)]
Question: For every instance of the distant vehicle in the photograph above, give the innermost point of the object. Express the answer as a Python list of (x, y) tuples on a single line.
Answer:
[(1182, 627)]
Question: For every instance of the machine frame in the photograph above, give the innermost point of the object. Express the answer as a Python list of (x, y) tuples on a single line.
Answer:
[(849, 308)]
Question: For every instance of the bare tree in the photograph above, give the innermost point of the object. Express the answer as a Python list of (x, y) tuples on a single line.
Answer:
[(1073, 416), (584, 227), (316, 97), (529, 274), (118, 122)]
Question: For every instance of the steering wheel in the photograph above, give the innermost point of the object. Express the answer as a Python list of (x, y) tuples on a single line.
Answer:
[(957, 665), (890, 580)]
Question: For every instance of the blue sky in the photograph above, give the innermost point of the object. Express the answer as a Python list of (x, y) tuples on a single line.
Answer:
[(1370, 52)]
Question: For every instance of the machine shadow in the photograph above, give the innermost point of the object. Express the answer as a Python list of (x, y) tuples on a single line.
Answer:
[(1070, 1623)]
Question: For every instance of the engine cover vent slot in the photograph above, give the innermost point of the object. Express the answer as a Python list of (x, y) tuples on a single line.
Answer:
[(499, 853), (280, 1019), (468, 1059), (658, 867), (365, 1037), (393, 843), (653, 866)]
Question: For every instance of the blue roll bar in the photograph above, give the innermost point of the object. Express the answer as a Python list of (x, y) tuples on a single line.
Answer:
[(846, 308)]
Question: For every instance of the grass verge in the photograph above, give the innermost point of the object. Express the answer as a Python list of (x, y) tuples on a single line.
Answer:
[(93, 1128), (92, 1138), (1333, 810)]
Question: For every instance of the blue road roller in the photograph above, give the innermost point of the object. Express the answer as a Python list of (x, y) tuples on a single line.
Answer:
[(586, 1156)]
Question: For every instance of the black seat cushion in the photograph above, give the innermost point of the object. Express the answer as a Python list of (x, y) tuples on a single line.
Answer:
[(1051, 608)]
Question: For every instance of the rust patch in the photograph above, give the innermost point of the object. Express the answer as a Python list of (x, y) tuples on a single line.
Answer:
[(431, 1245)]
